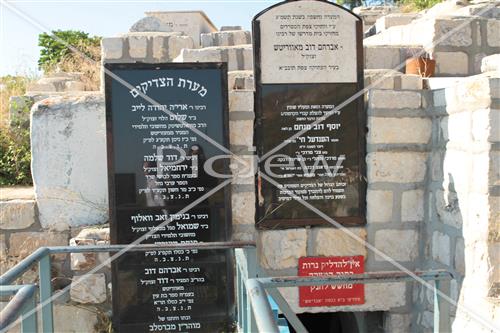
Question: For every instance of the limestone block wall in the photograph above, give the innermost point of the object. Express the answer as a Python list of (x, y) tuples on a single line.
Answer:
[(79, 307), (461, 229), (457, 43), (150, 47)]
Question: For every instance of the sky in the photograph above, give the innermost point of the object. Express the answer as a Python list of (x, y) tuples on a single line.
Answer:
[(22, 20)]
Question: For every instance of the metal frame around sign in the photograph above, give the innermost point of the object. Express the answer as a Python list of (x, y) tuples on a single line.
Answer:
[(361, 117)]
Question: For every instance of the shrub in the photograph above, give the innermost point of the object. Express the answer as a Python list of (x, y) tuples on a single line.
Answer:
[(53, 50), (15, 156), (56, 56)]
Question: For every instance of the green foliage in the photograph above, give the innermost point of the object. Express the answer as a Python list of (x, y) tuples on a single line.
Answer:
[(349, 3), (54, 51), (417, 5), (15, 156)]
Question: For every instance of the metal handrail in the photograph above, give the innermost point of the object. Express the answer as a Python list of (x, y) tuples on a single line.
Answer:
[(264, 318), (42, 257), (254, 310), (23, 300)]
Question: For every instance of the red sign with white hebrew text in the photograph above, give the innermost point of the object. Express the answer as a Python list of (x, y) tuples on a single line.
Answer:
[(331, 295)]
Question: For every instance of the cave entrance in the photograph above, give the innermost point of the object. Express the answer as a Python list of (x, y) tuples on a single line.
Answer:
[(342, 322)]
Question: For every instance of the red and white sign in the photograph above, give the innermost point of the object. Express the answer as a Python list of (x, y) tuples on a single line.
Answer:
[(331, 295)]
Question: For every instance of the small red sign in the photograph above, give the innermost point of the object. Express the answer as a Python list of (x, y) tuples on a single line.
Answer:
[(331, 295)]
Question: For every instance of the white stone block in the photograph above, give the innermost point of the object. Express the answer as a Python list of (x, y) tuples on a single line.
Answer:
[(225, 38), (68, 148), (490, 63), (400, 167), (399, 245), (241, 100), (17, 214), (478, 215), (485, 125), (22, 244), (483, 168), (380, 78), (243, 208), (138, 46), (241, 132), (452, 32), (243, 169), (240, 80), (336, 242), (200, 55), (379, 206), (472, 93), (399, 130), (393, 20), (411, 82), (457, 169), (412, 205), (457, 127), (247, 57), (388, 99), (493, 31), (74, 319), (452, 63), (441, 247), (279, 249), (378, 57), (112, 48), (88, 236), (89, 288), (177, 43)]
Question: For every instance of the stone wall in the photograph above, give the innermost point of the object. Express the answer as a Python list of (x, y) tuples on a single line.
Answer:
[(458, 44), (82, 307), (462, 200)]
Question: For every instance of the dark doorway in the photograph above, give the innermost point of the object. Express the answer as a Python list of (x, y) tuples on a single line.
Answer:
[(342, 322)]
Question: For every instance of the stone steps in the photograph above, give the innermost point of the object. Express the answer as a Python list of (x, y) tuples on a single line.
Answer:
[(226, 38), (238, 57)]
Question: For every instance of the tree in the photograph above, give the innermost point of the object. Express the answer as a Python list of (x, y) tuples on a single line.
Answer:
[(54, 51)]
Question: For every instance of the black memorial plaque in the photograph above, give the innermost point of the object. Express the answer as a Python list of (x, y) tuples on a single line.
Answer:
[(155, 170), (308, 62)]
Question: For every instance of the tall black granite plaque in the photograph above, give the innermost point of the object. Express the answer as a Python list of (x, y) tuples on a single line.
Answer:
[(156, 170), (309, 60)]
